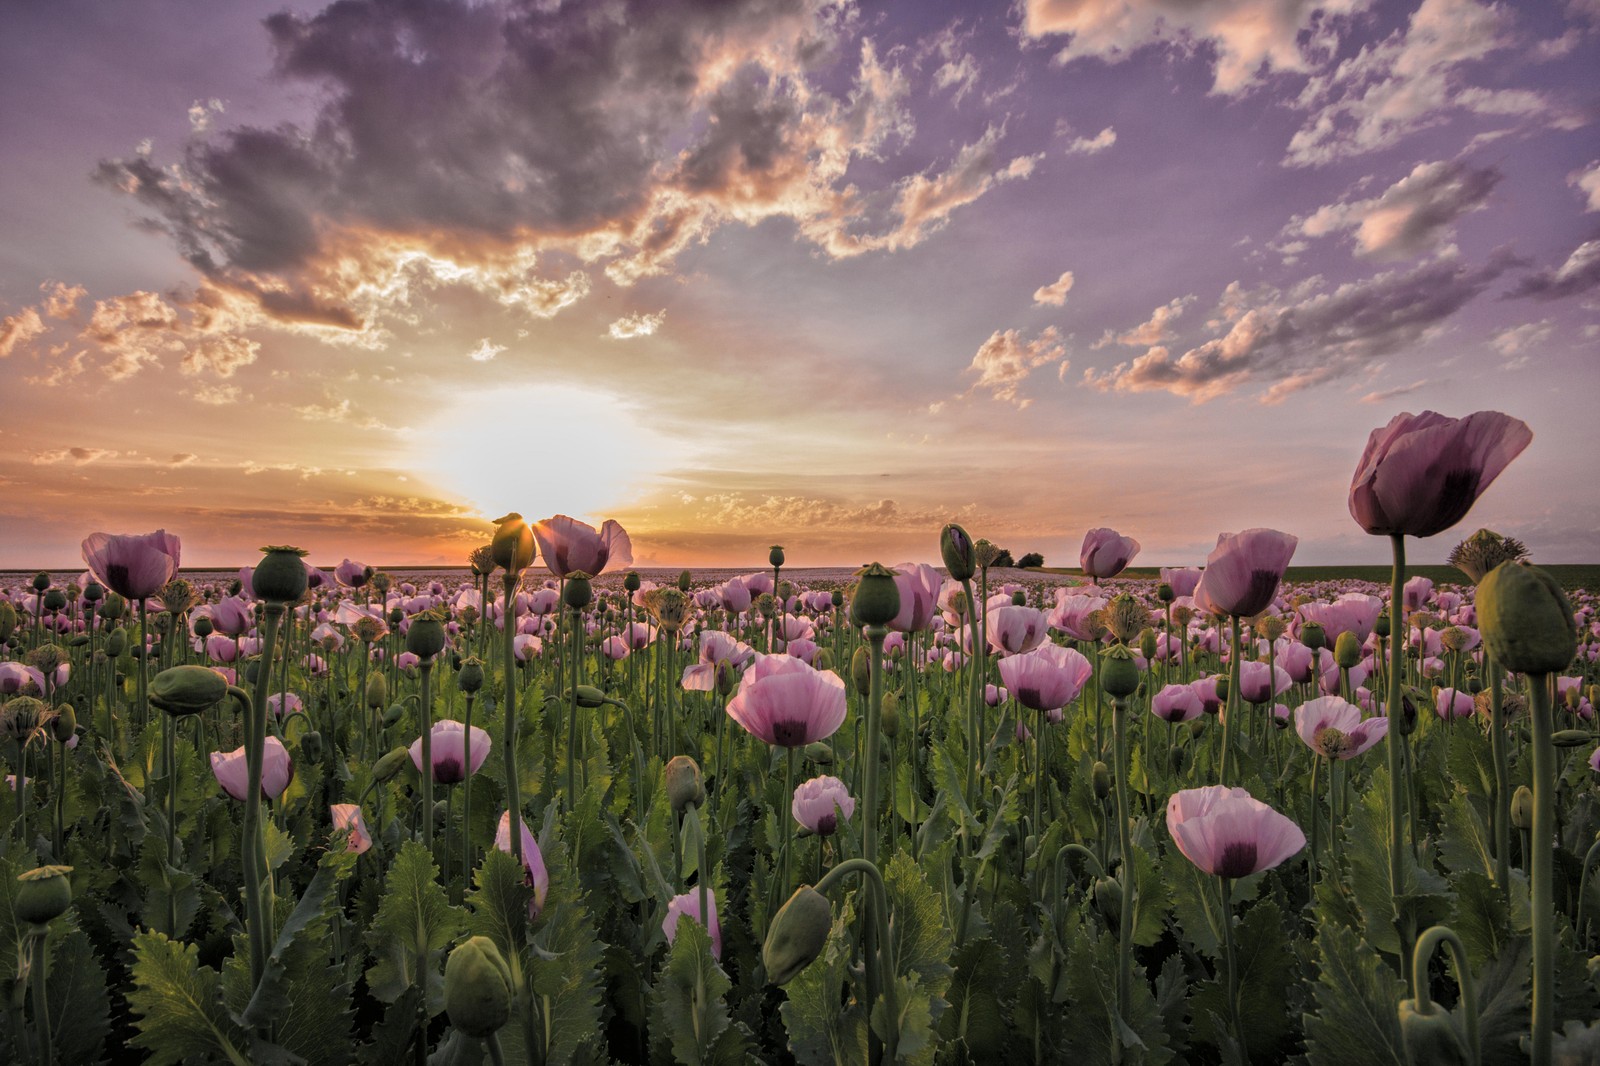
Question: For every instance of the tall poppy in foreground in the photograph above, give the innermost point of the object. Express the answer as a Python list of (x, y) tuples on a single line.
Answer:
[(570, 546), (1106, 553), (1418, 476)]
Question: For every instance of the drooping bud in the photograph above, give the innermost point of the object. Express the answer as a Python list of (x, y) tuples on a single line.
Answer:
[(684, 579), (1100, 779), (1432, 1037), (957, 550), (1107, 896), (1526, 619), (889, 715), (819, 753), (797, 935), (685, 786), (190, 689), (311, 747), (390, 763), (1522, 807), (823, 659), (477, 988), (65, 723)]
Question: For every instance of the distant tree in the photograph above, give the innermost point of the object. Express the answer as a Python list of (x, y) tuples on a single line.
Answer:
[(1032, 559), (1004, 558)]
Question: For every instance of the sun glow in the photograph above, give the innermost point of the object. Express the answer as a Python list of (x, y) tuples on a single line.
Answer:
[(541, 450)]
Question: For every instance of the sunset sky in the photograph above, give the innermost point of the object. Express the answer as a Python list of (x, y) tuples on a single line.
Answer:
[(361, 276)]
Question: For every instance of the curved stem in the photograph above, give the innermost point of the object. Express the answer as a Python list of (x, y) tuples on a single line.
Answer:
[(880, 966), (1427, 943)]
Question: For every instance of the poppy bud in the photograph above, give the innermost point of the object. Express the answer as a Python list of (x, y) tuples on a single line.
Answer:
[(1119, 674), (425, 638), (1347, 650), (377, 691), (1432, 1037), (1526, 619), (44, 894), (861, 670), (877, 598), (41, 581), (798, 933), (65, 723), (470, 678), (836, 597), (311, 746), (630, 581), (587, 696), (823, 659), (1164, 593), (512, 544), (190, 689), (117, 642), (685, 787), (683, 581), (578, 593), (889, 715), (1108, 898), (1313, 636), (775, 556), (1147, 645), (113, 608), (1100, 777), (392, 716), (957, 550), (477, 988), (390, 763), (1522, 807), (819, 753), (1381, 625), (280, 577), (1572, 738)]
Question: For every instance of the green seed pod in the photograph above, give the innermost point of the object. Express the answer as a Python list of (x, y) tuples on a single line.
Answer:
[(578, 593), (392, 716), (775, 556), (1019, 598), (8, 620), (1346, 650), (477, 988), (377, 691), (113, 608), (861, 670), (470, 678), (65, 723), (55, 600), (44, 894), (836, 597), (1572, 738), (117, 643), (79, 641), (1313, 636), (683, 581), (889, 715), (1431, 1038), (1164, 593), (957, 549), (280, 577), (797, 935), (425, 637), (1147, 645), (877, 597), (685, 787), (823, 659), (1382, 624), (630, 581), (1119, 673), (1522, 807), (819, 753), (1107, 896), (1223, 687), (41, 581), (512, 546), (203, 627), (1100, 778), (1526, 619), (190, 689), (390, 763)]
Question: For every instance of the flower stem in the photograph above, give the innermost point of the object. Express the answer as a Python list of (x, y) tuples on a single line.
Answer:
[(1398, 791), (1233, 710), (1119, 735), (1543, 849), (513, 783), (1230, 961), (1426, 944), (426, 668)]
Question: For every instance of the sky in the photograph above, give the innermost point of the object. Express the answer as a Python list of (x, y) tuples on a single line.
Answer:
[(364, 276)]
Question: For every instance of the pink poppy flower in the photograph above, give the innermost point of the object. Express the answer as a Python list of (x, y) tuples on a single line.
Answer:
[(352, 575), (284, 703), (1106, 553), (448, 749), (347, 816), (1177, 703), (1229, 833), (1047, 678), (537, 878), (134, 566), (783, 701), (1334, 728), (1205, 689), (1243, 572), (1258, 682), (1014, 629), (1354, 612), (1420, 474), (233, 775), (994, 695), (919, 586), (569, 546), (1074, 615), (1182, 579), (1453, 703), (718, 650), (821, 803), (688, 905)]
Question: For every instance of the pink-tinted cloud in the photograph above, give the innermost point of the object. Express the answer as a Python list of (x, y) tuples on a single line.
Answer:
[(1414, 215)]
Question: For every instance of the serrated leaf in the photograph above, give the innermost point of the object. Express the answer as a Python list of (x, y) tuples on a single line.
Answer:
[(413, 925), (81, 1004), (177, 1005), (564, 965), (823, 1028), (307, 922), (979, 1013), (1092, 1022), (1266, 969), (1356, 997), (687, 1011), (1502, 993)]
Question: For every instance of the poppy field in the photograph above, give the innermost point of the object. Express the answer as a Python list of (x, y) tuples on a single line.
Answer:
[(548, 808)]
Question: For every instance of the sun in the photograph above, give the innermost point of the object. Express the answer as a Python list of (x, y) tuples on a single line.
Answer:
[(541, 450)]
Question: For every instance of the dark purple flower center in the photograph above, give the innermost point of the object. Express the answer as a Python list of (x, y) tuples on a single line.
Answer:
[(789, 732), (1238, 859), (447, 770), (1456, 496), (1263, 586), (827, 824)]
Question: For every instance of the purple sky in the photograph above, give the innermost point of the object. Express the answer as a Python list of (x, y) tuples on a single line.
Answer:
[(360, 276)]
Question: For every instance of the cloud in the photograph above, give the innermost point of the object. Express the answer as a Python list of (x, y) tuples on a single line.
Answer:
[(78, 456), (215, 395), (1251, 37), (343, 411), (201, 112), (958, 70), (1515, 341), (182, 459), (60, 299), (1090, 145), (20, 329), (1154, 330), (636, 325), (485, 351), (1587, 181), (1055, 293), (1004, 361), (1389, 394), (1287, 342), (1580, 273), (1409, 80), (1412, 216)]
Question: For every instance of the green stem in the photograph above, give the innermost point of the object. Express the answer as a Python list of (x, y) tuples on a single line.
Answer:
[(1233, 709), (426, 668), (880, 968), (1230, 961), (513, 783), (1119, 734), (1398, 792), (1500, 801), (41, 1001), (1543, 840), (258, 887), (1426, 945)]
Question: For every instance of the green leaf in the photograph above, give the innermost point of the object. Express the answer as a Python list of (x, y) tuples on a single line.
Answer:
[(413, 925), (1088, 988), (307, 923), (564, 964), (1266, 970), (1356, 1001), (1150, 901), (979, 1014), (687, 1011), (79, 1001), (177, 1005), (1502, 994), (922, 943), (823, 1027), (499, 906)]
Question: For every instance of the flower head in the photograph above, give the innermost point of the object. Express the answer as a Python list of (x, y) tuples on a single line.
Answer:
[(688, 905), (532, 861), (1334, 728), (1421, 474), (1106, 553), (447, 749), (136, 566), (821, 803), (1228, 832), (570, 546), (1046, 678), (783, 701), (1243, 572)]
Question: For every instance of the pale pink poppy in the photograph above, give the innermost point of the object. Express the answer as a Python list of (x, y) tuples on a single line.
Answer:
[(783, 701), (1229, 833)]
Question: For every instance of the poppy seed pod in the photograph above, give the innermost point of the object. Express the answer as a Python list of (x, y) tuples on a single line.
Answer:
[(1526, 619), (955, 546), (1347, 650), (836, 598), (1312, 635), (113, 607), (425, 638), (54, 600), (1571, 738), (684, 579), (203, 627), (390, 763), (798, 933), (578, 593), (1119, 673), (94, 592), (41, 581), (685, 786), (876, 601), (775, 556), (1100, 778), (43, 894), (1381, 625), (280, 577), (190, 689), (470, 677), (630, 581), (512, 545), (477, 988), (65, 723), (1164, 593)]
